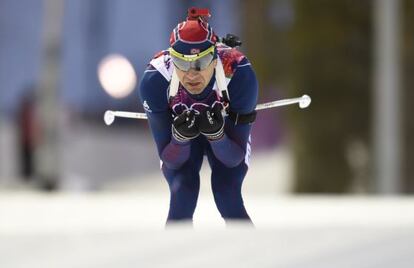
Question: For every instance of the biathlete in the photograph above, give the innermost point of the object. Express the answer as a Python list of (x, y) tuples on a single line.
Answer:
[(200, 97)]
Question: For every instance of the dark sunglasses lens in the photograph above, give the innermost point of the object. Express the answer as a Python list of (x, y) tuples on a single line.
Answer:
[(203, 62), (181, 64), (199, 64)]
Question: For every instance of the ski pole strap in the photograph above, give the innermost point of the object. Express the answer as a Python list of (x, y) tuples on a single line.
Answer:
[(242, 118)]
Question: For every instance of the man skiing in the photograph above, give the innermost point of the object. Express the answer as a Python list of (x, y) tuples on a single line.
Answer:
[(200, 97)]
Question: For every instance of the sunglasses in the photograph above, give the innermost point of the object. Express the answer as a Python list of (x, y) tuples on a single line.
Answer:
[(198, 61)]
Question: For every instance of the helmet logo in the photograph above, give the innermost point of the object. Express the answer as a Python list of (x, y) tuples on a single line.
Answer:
[(194, 51)]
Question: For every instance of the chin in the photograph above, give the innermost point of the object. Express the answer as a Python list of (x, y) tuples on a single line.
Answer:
[(195, 90)]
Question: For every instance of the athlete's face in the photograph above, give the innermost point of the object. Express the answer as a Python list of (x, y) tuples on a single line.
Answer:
[(195, 81)]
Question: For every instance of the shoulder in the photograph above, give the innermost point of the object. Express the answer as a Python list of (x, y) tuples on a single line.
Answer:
[(231, 59), (162, 63), (243, 85), (153, 90)]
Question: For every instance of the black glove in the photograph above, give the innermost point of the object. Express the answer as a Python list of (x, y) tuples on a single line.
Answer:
[(212, 122), (185, 126)]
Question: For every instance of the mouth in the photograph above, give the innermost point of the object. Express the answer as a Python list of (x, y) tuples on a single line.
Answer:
[(194, 84)]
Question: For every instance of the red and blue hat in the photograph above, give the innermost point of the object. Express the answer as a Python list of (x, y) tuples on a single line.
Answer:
[(193, 35)]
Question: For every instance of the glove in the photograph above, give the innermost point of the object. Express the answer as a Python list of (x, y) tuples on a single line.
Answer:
[(212, 122), (185, 126)]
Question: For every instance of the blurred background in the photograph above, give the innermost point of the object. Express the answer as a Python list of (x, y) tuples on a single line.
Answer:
[(64, 63)]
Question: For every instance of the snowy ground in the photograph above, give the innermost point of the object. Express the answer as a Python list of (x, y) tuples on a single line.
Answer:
[(123, 226), (126, 229)]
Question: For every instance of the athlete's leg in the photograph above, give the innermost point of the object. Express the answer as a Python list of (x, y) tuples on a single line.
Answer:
[(184, 185), (226, 184)]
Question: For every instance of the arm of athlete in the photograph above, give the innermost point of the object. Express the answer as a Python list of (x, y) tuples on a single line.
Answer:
[(231, 147), (153, 94)]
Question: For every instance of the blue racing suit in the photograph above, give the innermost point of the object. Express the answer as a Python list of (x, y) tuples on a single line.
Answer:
[(181, 161)]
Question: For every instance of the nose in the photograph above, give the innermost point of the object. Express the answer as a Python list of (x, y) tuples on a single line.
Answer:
[(192, 74)]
